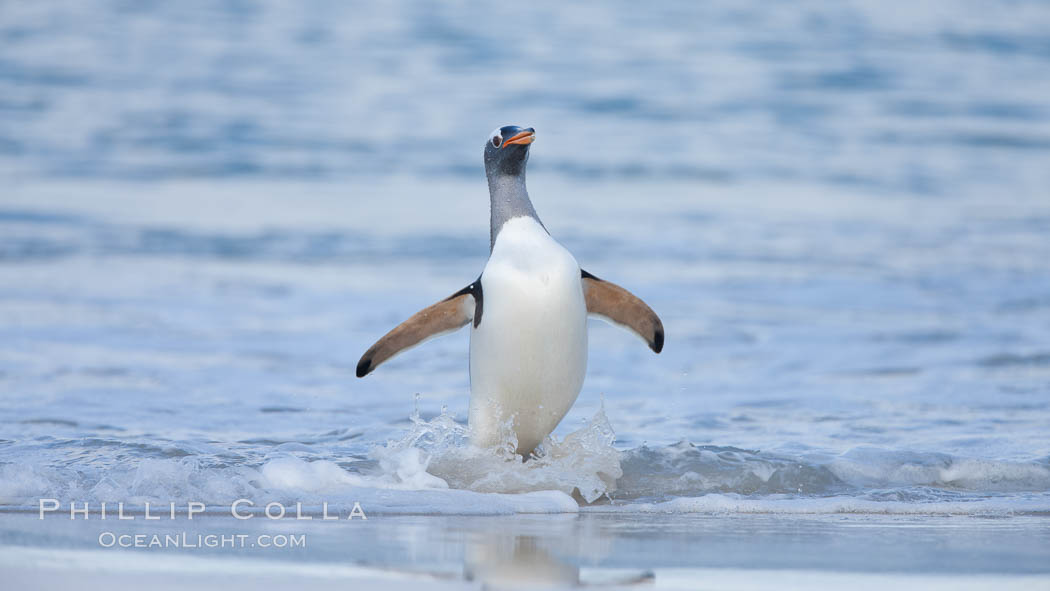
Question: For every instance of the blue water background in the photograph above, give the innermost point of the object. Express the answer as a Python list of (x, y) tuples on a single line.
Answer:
[(841, 211)]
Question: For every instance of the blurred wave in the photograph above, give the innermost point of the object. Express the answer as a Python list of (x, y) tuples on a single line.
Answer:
[(927, 98)]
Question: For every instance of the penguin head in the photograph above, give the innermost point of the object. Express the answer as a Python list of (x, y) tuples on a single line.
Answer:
[(507, 150)]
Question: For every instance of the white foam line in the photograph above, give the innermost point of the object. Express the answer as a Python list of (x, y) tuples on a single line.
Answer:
[(719, 503), (787, 580), (470, 503)]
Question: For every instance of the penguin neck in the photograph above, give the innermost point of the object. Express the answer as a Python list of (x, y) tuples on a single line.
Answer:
[(508, 199)]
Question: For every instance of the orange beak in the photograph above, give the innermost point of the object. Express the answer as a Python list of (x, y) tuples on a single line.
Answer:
[(524, 138)]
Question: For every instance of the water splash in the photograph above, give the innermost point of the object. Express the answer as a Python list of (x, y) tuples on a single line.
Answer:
[(584, 463)]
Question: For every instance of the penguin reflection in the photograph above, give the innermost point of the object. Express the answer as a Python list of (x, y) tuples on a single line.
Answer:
[(501, 562)]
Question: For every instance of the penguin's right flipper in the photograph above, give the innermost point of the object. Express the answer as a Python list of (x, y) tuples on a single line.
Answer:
[(617, 305), (448, 315)]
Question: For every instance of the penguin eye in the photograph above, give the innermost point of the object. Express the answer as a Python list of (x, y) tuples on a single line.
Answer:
[(496, 141)]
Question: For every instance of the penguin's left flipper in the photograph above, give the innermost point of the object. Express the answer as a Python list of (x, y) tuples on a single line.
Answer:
[(621, 307), (448, 315)]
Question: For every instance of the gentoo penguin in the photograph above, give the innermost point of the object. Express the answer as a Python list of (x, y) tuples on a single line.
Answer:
[(528, 311)]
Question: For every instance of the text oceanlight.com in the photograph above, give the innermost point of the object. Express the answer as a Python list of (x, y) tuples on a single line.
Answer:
[(108, 539), (239, 509)]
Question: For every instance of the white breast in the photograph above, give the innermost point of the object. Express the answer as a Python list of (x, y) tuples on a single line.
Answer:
[(528, 357)]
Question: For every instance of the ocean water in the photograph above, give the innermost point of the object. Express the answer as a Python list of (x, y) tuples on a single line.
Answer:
[(841, 211)]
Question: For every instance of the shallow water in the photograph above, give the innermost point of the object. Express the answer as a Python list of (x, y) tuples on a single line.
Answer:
[(147, 368), (841, 214), (660, 551)]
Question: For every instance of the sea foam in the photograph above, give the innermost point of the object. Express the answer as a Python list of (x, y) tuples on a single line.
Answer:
[(584, 463), (432, 468)]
